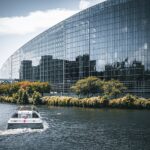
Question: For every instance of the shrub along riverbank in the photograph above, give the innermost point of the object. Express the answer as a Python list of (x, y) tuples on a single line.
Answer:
[(31, 93), (128, 101), (24, 92)]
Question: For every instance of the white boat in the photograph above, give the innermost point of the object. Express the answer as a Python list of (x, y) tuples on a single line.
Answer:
[(25, 117)]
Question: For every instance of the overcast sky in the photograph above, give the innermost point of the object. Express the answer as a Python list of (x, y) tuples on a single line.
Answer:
[(21, 20)]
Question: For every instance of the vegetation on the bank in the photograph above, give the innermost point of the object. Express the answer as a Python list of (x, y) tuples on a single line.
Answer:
[(93, 85), (22, 97), (128, 101), (110, 94), (24, 92), (88, 86), (36, 98), (72, 101), (10, 88)]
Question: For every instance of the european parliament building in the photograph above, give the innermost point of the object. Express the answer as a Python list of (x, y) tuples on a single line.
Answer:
[(110, 40)]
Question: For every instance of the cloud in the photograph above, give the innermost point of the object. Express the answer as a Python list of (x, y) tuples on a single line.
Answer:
[(35, 21), (84, 4), (88, 3), (39, 20)]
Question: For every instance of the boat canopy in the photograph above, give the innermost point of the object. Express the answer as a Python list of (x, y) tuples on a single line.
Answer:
[(27, 108)]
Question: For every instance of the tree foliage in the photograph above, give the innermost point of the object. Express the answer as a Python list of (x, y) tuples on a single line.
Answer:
[(8, 89), (23, 97), (113, 88), (19, 92), (30, 87), (92, 85), (88, 86), (41, 87), (36, 98)]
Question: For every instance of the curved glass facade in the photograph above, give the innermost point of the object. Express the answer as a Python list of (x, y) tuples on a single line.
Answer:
[(108, 40)]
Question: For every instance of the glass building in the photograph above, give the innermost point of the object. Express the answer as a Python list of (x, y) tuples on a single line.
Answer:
[(108, 40)]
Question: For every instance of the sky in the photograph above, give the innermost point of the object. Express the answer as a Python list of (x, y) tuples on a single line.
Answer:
[(22, 20)]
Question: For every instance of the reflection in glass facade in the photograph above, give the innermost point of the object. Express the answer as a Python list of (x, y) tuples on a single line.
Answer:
[(108, 40)]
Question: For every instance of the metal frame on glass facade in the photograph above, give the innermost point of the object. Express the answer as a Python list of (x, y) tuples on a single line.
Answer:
[(108, 40)]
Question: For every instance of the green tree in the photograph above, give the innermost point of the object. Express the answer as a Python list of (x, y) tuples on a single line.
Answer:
[(88, 86), (20, 93), (46, 87), (41, 87), (14, 87), (2, 90), (15, 97), (5, 89), (113, 88), (36, 98), (29, 90), (23, 97)]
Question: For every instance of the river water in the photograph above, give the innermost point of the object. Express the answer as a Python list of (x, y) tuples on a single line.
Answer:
[(79, 129)]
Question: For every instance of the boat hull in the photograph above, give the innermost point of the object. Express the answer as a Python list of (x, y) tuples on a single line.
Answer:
[(25, 125)]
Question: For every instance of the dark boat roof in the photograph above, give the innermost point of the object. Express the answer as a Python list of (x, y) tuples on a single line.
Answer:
[(28, 108)]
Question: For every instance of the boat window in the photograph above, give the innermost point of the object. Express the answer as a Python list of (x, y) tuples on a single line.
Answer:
[(15, 115), (25, 116), (35, 115)]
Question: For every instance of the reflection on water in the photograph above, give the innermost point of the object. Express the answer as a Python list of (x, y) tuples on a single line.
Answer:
[(79, 128)]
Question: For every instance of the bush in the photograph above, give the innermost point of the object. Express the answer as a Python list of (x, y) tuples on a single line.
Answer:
[(36, 98), (95, 102), (88, 86), (93, 85), (41, 87), (22, 97), (113, 88), (7, 99), (128, 101), (11, 88)]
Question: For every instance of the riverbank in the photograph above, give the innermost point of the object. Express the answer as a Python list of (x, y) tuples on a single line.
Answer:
[(126, 102)]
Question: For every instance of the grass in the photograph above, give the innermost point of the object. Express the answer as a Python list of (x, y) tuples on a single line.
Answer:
[(128, 101)]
